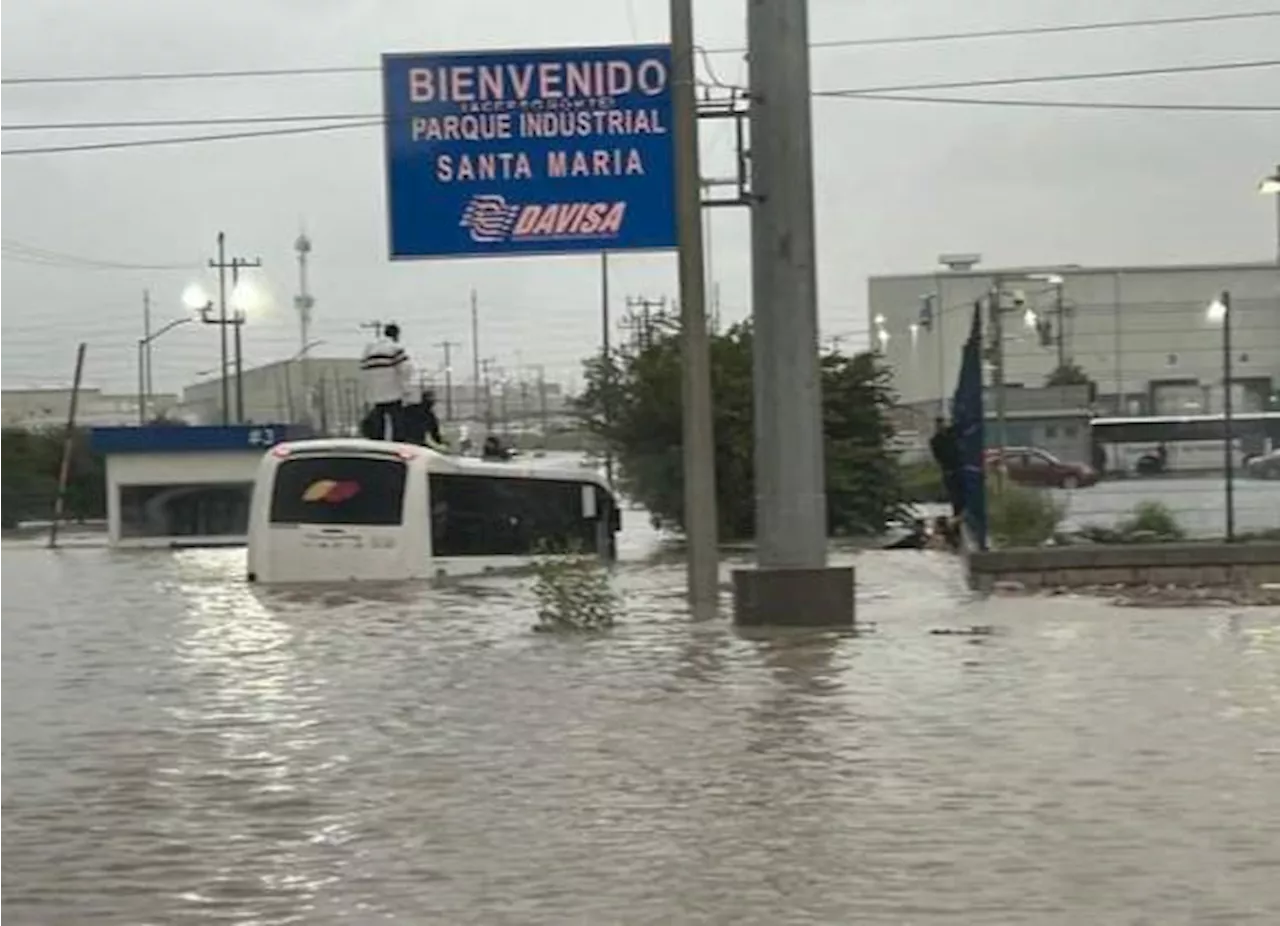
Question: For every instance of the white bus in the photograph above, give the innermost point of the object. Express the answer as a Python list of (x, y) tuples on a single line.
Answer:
[(353, 510)]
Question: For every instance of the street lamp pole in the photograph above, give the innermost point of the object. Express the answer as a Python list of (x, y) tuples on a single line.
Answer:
[(996, 312), (996, 320), (1270, 186), (144, 363), (1223, 307)]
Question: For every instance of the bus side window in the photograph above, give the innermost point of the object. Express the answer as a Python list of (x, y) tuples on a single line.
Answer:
[(460, 515), (509, 516)]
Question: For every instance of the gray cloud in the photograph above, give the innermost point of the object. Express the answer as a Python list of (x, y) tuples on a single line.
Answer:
[(898, 183)]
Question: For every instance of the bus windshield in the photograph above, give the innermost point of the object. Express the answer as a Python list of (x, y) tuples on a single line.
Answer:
[(339, 490)]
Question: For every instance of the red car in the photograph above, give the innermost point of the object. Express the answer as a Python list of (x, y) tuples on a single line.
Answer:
[(1031, 466)]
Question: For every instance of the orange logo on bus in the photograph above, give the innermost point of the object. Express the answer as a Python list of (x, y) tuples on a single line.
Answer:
[(332, 491)]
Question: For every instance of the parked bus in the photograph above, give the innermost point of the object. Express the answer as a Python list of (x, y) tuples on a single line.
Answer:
[(355, 510)]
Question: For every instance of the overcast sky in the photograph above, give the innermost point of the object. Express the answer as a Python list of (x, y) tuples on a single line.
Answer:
[(898, 183)]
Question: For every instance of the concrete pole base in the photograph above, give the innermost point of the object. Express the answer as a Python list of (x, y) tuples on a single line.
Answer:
[(794, 597)]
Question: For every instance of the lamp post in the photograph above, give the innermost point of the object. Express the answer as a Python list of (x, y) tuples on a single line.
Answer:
[(1219, 313), (1270, 186), (244, 297), (996, 311), (144, 365), (288, 381), (930, 320)]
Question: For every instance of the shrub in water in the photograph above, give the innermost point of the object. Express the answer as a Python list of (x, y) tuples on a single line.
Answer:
[(1020, 517), (573, 592)]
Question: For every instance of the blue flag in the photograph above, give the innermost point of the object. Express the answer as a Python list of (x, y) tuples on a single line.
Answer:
[(969, 421)]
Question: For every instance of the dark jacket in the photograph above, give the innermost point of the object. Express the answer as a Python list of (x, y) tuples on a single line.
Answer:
[(421, 425), (945, 446)]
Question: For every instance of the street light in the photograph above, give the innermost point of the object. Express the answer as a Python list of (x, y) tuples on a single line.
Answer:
[(288, 382), (1218, 312), (245, 297), (996, 310), (144, 365), (881, 333), (1270, 186)]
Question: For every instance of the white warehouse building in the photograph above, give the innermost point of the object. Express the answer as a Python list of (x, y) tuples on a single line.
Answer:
[(1143, 335)]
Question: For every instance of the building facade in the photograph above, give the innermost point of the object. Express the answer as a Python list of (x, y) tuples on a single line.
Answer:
[(322, 389), (1142, 335), (48, 407), (182, 486), (329, 394)]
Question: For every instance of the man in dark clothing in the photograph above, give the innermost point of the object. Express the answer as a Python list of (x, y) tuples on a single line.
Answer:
[(945, 446), (421, 424)]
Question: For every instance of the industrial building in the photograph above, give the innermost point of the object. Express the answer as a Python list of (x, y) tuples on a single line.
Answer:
[(47, 407), (182, 486), (328, 393), (1144, 336), (326, 389)]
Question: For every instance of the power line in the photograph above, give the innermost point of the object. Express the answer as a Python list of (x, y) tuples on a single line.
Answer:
[(191, 75), (175, 123), (1057, 78), (832, 43), (352, 120), (31, 254), (187, 139), (1070, 104), (1029, 30)]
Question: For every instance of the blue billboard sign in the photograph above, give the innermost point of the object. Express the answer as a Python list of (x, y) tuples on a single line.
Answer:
[(529, 152)]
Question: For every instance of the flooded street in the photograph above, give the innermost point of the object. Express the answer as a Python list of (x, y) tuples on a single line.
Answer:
[(181, 749)]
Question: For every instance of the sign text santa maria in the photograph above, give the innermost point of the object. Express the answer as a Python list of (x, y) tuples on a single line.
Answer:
[(524, 152)]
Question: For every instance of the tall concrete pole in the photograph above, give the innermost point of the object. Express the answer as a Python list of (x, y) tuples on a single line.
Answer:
[(606, 358), (792, 584), (700, 521), (791, 496), (475, 356)]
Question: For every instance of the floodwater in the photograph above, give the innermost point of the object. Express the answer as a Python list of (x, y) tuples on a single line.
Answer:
[(181, 749)]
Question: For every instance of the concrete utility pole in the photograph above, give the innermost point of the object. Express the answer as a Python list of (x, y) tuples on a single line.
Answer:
[(606, 358), (475, 356), (447, 347), (487, 365), (792, 583), (304, 303), (235, 265), (700, 519), (542, 403)]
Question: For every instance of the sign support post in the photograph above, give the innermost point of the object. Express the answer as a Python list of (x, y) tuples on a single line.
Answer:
[(561, 151), (700, 516)]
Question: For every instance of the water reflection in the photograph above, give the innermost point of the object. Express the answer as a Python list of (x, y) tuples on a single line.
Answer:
[(182, 748)]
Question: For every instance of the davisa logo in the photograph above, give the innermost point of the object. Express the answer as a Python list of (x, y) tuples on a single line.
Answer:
[(490, 218)]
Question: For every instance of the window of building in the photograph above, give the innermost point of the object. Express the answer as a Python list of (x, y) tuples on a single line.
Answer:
[(1051, 432), (339, 490), (195, 510), (509, 516)]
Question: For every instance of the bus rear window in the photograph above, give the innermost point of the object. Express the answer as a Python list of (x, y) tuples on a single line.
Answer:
[(339, 490)]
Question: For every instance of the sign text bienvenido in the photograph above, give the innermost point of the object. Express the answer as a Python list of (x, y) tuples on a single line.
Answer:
[(553, 150)]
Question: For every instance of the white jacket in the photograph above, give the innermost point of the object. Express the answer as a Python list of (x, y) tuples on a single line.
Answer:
[(386, 371)]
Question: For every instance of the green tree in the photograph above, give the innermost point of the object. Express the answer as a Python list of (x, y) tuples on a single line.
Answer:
[(1068, 374), (31, 463), (632, 402)]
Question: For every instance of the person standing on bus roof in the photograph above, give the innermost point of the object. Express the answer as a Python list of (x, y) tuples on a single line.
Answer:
[(420, 423), (388, 379)]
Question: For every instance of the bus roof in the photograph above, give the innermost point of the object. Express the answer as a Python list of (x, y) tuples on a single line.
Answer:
[(441, 462)]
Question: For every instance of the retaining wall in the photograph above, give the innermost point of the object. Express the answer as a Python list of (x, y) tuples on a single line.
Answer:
[(1188, 565)]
